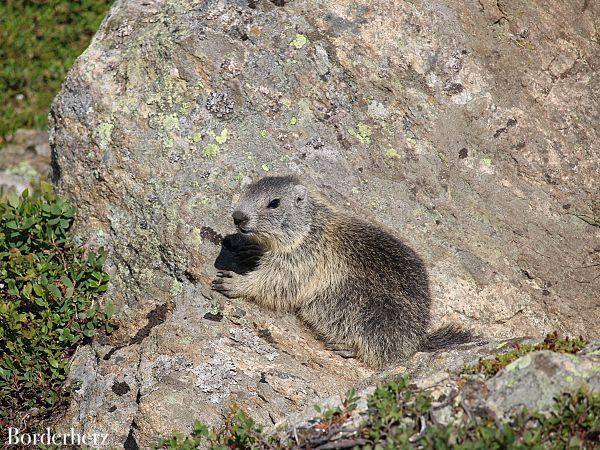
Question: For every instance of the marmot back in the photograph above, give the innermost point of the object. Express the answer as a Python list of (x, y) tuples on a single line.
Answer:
[(359, 287)]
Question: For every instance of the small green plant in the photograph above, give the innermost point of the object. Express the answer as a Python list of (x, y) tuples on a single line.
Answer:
[(491, 366), (575, 422), (572, 424), (396, 411), (240, 432), (48, 301), (337, 415)]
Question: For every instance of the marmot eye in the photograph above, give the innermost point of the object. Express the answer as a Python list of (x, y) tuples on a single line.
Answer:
[(273, 203)]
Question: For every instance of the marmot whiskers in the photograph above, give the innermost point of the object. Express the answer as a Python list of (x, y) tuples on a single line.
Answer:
[(360, 288)]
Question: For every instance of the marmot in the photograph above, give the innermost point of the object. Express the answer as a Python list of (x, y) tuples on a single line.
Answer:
[(360, 288)]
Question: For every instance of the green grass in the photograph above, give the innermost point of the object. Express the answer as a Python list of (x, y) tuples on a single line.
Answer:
[(49, 303), (39, 41)]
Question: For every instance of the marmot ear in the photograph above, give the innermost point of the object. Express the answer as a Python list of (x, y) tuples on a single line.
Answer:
[(300, 193)]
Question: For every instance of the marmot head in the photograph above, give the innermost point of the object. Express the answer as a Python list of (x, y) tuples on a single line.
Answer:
[(274, 211)]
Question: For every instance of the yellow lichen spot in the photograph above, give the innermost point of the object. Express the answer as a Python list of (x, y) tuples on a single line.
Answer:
[(176, 288), (265, 167), (362, 132), (391, 153), (222, 138), (293, 120), (185, 108), (105, 132), (196, 238), (299, 41), (255, 32), (210, 151), (262, 133), (170, 122), (186, 340)]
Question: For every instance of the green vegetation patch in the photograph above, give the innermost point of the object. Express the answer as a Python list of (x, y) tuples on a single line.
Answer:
[(491, 366), (402, 418), (39, 41), (49, 289), (400, 415), (240, 432)]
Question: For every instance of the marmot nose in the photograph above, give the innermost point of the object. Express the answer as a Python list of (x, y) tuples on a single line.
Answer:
[(239, 218)]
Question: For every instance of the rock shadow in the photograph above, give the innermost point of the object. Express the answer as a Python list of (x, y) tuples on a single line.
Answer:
[(238, 254)]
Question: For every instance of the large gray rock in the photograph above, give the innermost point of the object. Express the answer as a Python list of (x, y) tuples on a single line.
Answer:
[(470, 128), (535, 380)]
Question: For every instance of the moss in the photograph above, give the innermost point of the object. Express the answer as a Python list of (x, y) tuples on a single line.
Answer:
[(185, 107), (552, 342), (168, 142), (176, 288), (185, 340), (196, 237), (411, 141)]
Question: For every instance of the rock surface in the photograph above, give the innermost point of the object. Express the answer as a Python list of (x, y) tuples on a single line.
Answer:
[(469, 128), (24, 161)]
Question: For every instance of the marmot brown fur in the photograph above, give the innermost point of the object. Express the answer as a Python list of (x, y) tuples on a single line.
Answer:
[(360, 288)]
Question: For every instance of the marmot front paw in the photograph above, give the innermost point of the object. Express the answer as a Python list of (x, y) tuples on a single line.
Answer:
[(226, 284)]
